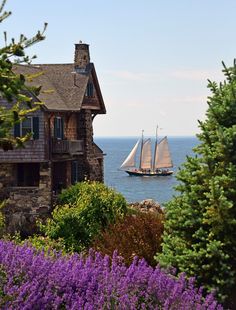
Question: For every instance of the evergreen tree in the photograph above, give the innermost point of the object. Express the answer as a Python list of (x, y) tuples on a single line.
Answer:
[(12, 86), (200, 228)]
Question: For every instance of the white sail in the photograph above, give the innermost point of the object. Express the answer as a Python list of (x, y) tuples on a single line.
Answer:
[(146, 156), (130, 160), (162, 158)]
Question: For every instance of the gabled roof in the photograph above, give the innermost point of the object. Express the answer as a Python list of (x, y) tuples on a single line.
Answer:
[(62, 88)]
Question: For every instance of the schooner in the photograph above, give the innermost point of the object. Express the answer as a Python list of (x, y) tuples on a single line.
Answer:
[(158, 165)]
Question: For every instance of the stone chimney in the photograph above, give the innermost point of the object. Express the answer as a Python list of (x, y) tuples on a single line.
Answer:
[(82, 58)]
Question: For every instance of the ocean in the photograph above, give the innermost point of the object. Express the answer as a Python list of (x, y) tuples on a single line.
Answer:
[(134, 189)]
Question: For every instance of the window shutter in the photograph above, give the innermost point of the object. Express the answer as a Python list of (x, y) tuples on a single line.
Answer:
[(17, 130), (91, 89), (62, 128), (36, 128)]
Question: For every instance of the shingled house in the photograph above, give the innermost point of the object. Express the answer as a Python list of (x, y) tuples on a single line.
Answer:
[(61, 151)]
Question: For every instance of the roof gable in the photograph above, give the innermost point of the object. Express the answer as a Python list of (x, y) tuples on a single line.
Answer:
[(94, 102)]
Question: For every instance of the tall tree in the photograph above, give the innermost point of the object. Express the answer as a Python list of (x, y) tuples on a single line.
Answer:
[(12, 85), (200, 228)]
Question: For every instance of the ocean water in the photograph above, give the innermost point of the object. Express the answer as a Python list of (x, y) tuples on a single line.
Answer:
[(160, 188)]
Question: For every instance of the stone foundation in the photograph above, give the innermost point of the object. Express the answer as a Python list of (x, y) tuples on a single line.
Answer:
[(25, 205)]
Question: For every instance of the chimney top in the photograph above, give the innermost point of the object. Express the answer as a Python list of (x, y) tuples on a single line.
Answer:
[(82, 57)]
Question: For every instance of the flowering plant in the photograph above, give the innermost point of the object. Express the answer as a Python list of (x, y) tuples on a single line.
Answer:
[(29, 279)]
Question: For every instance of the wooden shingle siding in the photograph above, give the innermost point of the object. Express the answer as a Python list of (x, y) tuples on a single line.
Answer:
[(34, 150)]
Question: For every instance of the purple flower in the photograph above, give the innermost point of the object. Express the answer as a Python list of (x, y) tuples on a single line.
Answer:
[(33, 280)]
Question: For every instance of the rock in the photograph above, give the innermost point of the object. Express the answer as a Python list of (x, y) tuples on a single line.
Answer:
[(147, 205)]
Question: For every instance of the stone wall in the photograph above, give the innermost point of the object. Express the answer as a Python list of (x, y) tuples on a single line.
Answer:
[(91, 162), (27, 204)]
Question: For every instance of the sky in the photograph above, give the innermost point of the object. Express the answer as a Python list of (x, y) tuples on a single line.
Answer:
[(152, 58)]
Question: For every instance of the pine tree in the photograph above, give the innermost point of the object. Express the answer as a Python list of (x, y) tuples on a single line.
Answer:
[(200, 228), (13, 87)]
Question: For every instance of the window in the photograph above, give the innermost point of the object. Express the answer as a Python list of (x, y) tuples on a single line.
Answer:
[(89, 90), (28, 125), (58, 128), (28, 174)]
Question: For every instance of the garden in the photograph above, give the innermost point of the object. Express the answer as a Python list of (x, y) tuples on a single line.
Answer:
[(96, 252)]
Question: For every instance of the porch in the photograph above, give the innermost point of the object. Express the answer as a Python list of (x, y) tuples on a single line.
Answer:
[(71, 147)]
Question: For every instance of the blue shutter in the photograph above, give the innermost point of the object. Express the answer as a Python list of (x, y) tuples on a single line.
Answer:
[(17, 130), (62, 129), (58, 128), (35, 128)]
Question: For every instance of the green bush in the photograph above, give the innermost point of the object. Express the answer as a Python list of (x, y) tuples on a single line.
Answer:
[(139, 235), (85, 210), (45, 243), (38, 242)]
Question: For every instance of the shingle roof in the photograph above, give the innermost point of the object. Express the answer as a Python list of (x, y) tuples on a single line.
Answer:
[(62, 89)]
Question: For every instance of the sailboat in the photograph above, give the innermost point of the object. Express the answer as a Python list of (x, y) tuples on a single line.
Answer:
[(158, 165)]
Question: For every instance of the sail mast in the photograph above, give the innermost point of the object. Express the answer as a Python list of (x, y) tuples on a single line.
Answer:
[(141, 152), (155, 150)]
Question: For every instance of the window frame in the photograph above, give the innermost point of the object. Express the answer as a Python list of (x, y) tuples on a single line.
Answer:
[(31, 126), (34, 128)]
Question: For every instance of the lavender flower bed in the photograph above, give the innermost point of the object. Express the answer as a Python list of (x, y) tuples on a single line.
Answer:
[(29, 280)]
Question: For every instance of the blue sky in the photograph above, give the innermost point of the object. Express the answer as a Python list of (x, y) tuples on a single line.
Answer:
[(152, 58)]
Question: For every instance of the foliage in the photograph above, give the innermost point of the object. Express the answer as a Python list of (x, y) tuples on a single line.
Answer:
[(13, 87), (2, 219), (88, 207), (134, 235), (45, 243), (200, 225), (74, 282), (39, 242)]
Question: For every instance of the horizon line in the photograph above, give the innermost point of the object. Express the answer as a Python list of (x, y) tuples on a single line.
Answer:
[(170, 136)]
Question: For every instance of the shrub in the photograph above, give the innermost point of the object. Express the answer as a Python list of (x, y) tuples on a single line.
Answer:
[(200, 224), (86, 209), (134, 235), (31, 280)]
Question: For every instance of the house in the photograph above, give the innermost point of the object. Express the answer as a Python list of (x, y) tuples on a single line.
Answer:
[(61, 150)]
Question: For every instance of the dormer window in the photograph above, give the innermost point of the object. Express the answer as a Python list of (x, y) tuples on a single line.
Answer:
[(89, 90)]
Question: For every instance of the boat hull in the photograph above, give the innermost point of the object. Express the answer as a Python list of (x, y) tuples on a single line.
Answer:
[(149, 174)]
